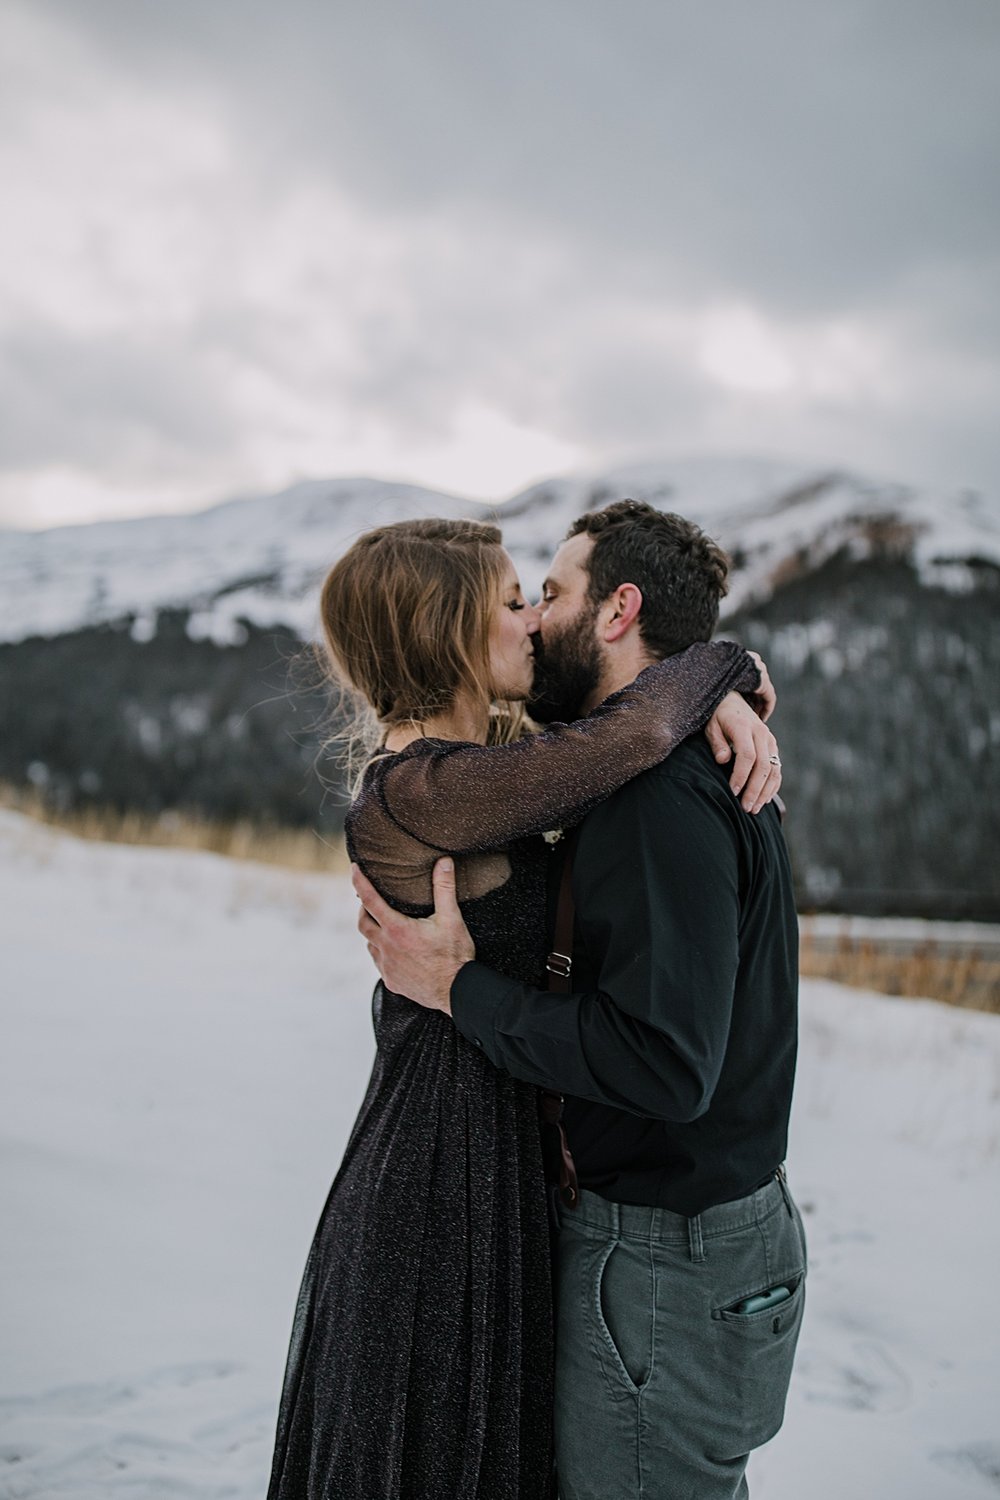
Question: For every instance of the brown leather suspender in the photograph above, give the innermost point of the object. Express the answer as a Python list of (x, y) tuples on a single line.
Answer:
[(559, 967), (559, 963)]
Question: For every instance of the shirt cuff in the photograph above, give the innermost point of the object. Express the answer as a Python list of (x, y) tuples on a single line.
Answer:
[(476, 996)]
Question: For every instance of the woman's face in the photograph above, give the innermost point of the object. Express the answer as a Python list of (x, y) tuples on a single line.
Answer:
[(512, 632)]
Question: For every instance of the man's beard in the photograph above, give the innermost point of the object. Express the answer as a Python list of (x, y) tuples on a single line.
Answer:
[(567, 671)]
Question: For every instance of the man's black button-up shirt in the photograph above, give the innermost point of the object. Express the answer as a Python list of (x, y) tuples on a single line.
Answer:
[(676, 1049)]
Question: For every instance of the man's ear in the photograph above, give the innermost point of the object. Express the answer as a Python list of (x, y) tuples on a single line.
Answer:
[(620, 612)]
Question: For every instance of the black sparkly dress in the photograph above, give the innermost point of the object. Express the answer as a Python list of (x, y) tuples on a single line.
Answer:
[(420, 1365)]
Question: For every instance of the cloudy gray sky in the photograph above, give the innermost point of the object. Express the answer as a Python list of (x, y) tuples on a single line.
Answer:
[(248, 242)]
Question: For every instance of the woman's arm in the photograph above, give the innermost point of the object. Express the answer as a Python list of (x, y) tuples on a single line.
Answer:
[(467, 798)]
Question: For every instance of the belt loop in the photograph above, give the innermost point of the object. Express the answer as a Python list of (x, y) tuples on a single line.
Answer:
[(696, 1245), (616, 1221)]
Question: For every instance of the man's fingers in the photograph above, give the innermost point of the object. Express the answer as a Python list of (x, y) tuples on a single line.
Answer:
[(369, 897), (367, 925), (445, 897)]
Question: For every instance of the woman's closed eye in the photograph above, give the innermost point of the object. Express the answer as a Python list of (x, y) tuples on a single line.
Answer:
[(515, 604)]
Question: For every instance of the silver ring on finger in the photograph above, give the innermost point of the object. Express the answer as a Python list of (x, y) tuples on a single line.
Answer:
[(775, 760)]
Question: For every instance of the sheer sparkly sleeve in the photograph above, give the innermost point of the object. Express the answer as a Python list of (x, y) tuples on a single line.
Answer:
[(467, 798)]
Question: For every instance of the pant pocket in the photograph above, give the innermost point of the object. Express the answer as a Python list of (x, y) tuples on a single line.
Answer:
[(754, 1352), (623, 1308), (596, 1405)]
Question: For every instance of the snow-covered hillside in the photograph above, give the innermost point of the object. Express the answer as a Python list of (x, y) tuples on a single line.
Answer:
[(259, 559), (263, 559), (776, 519), (185, 1043)]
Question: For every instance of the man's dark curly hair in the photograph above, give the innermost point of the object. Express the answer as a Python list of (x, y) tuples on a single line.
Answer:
[(681, 572)]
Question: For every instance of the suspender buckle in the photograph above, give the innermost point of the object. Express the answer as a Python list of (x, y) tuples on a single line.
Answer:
[(560, 964)]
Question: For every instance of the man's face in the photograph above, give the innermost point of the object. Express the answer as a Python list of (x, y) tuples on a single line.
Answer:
[(568, 656)]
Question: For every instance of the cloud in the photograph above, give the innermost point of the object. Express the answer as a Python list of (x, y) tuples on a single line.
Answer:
[(247, 241), (799, 152)]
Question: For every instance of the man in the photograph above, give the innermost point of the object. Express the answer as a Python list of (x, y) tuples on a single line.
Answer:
[(681, 1267)]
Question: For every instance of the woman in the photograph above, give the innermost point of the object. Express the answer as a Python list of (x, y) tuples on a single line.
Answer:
[(421, 1356)]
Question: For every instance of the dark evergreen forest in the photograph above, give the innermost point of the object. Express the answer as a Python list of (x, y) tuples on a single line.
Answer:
[(95, 717), (889, 725), (888, 721)]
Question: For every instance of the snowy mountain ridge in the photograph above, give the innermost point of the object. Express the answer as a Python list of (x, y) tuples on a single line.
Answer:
[(263, 559)]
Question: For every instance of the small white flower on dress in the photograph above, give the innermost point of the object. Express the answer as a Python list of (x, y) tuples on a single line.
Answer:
[(553, 836)]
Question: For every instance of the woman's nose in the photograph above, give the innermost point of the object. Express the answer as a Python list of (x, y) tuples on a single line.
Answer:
[(532, 618)]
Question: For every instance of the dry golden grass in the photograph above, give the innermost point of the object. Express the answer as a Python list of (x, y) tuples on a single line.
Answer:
[(970, 979), (288, 848)]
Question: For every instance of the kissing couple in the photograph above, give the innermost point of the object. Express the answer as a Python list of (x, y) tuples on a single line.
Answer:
[(560, 1253)]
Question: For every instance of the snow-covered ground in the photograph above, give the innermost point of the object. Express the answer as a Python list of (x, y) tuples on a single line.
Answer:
[(185, 1042)]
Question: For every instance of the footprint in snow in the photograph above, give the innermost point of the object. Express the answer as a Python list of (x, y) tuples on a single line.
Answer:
[(979, 1463), (97, 1399), (168, 1433), (868, 1379)]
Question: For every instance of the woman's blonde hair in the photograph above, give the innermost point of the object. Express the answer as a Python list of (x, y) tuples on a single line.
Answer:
[(406, 616)]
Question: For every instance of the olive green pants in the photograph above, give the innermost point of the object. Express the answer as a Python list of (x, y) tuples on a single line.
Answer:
[(665, 1380)]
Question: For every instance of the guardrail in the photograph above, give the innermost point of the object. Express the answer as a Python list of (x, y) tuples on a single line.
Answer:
[(958, 962)]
